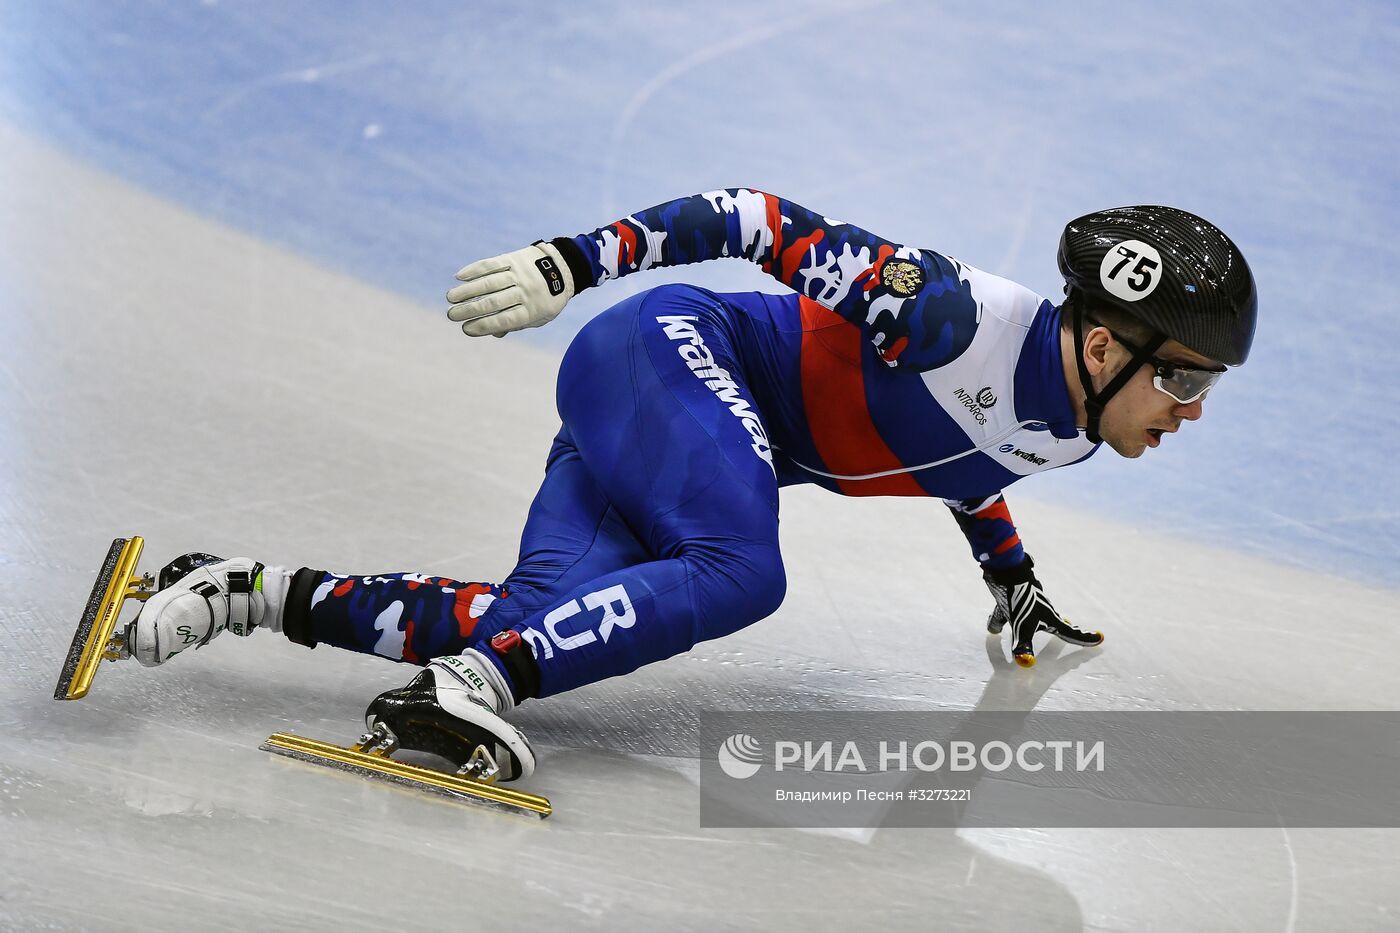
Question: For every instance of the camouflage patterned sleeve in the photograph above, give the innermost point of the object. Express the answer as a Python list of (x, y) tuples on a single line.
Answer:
[(988, 527), (913, 304)]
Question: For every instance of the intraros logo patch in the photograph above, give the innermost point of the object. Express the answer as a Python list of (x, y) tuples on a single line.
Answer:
[(975, 404)]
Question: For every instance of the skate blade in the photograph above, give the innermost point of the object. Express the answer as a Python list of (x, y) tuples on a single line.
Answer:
[(379, 765), (93, 639)]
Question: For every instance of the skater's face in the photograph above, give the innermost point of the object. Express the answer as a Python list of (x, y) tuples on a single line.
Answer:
[(1140, 414)]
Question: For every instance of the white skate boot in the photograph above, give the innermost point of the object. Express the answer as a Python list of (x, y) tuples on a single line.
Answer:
[(451, 709), (201, 595)]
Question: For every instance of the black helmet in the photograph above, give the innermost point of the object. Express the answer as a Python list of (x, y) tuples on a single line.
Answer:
[(1170, 269)]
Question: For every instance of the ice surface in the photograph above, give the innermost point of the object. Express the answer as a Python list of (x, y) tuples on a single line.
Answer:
[(172, 368)]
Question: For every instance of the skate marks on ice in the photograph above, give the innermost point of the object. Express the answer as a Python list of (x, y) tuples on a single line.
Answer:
[(164, 770), (607, 863)]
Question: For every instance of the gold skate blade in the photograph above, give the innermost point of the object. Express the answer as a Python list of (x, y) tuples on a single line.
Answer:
[(382, 767), (116, 583)]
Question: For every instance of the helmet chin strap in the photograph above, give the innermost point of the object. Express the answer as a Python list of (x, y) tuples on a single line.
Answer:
[(1094, 402)]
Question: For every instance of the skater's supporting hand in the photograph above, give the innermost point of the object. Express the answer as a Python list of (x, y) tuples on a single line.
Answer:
[(513, 291), (1022, 602)]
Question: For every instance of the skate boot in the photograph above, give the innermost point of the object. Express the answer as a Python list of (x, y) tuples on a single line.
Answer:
[(199, 596), (452, 709)]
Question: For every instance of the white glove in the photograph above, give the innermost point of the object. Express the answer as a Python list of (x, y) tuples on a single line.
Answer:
[(513, 291)]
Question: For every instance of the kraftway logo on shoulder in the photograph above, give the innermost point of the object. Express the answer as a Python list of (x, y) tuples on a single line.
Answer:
[(984, 398), (1023, 454)]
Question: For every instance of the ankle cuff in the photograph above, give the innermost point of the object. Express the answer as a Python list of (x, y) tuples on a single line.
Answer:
[(482, 663), (272, 583), (296, 612)]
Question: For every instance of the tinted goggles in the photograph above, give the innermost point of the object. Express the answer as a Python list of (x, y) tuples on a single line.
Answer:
[(1183, 383)]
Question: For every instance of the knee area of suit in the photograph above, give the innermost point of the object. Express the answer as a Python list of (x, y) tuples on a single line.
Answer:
[(765, 598), (739, 587)]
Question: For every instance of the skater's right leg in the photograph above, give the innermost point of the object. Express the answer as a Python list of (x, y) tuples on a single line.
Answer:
[(656, 403), (674, 454), (671, 486)]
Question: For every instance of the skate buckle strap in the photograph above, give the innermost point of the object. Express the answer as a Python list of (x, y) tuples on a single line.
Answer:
[(240, 601), (519, 662), (209, 592)]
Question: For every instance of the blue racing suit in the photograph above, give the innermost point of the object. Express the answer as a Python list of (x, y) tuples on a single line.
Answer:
[(888, 371)]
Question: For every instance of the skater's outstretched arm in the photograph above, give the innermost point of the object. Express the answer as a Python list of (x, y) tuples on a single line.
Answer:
[(987, 525), (1009, 574), (914, 305)]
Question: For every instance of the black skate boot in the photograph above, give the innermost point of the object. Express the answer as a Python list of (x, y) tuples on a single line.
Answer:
[(451, 709)]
